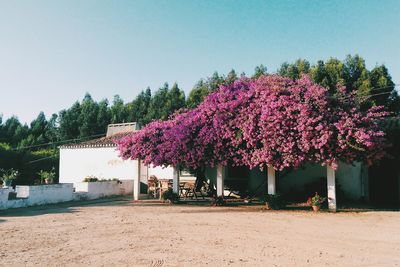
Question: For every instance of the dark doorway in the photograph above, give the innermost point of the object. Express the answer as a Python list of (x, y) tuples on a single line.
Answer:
[(384, 184)]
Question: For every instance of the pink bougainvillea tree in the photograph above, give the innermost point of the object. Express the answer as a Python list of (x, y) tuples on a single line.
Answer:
[(194, 138), (268, 121), (286, 123), (144, 144)]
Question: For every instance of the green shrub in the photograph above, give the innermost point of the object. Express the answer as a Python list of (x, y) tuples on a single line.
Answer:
[(170, 195), (7, 176), (90, 179), (316, 200), (275, 202), (47, 177), (111, 180)]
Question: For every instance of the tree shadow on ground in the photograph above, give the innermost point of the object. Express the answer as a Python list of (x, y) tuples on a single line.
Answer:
[(260, 207), (66, 207), (364, 210)]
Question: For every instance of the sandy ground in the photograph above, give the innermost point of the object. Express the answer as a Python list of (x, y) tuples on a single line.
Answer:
[(120, 233)]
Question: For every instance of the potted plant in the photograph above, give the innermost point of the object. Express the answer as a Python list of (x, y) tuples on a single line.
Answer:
[(47, 177), (316, 201), (8, 176)]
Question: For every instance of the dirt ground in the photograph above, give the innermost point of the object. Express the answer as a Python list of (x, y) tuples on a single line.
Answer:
[(120, 233)]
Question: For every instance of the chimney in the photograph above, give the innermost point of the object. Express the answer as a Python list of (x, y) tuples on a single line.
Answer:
[(113, 129)]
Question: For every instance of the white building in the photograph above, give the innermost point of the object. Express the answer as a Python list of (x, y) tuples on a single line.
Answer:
[(99, 158)]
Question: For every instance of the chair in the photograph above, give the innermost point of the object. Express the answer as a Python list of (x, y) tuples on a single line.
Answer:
[(187, 189), (191, 189), (152, 186), (182, 189), (237, 187), (164, 185)]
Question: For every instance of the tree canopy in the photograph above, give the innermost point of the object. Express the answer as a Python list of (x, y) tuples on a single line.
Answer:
[(269, 120), (89, 118), (373, 87)]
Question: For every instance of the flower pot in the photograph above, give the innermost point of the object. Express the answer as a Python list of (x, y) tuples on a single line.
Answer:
[(48, 181), (7, 183), (316, 208)]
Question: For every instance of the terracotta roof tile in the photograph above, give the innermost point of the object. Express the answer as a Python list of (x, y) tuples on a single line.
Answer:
[(99, 142)]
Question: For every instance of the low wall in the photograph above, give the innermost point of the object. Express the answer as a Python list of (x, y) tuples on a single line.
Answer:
[(32, 195), (35, 195), (4, 192), (96, 190), (17, 203), (45, 194)]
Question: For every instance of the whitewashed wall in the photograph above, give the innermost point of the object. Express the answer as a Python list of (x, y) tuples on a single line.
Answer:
[(45, 194), (4, 192), (32, 195), (160, 172), (95, 190), (103, 163), (166, 173)]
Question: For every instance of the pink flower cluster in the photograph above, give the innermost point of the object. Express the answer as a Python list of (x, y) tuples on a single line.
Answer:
[(271, 120), (192, 138)]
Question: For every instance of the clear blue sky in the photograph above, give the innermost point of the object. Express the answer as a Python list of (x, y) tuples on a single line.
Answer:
[(52, 52)]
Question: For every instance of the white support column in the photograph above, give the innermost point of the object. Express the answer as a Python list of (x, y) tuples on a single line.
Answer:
[(136, 182), (331, 188), (271, 181), (220, 180), (175, 181)]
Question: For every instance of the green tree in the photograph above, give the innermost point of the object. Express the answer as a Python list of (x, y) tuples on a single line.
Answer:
[(118, 110), (231, 77), (259, 70), (38, 129), (295, 70), (384, 92), (69, 122), (88, 118), (175, 99), (197, 94), (137, 110), (373, 87), (158, 105), (2, 132), (215, 81), (355, 75), (103, 115), (51, 131), (205, 86), (13, 131), (328, 74)]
